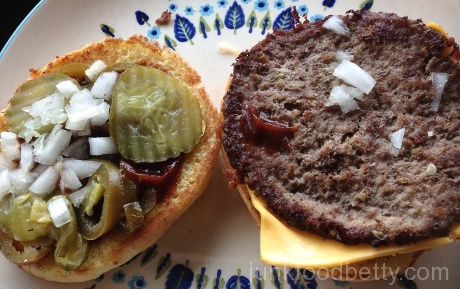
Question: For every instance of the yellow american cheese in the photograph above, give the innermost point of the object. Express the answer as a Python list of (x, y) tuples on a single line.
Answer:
[(282, 245), (446, 51)]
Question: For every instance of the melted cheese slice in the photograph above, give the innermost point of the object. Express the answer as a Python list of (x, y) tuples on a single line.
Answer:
[(282, 245)]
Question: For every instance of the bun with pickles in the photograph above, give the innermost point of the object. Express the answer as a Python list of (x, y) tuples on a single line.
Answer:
[(101, 151)]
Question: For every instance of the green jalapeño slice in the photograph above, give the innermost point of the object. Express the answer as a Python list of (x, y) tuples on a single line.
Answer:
[(153, 116)]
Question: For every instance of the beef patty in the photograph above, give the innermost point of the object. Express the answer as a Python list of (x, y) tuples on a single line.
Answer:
[(338, 174)]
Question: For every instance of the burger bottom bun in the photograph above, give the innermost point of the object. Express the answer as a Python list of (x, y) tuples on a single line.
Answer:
[(117, 246)]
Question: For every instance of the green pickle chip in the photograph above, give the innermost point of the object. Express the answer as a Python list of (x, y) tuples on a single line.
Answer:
[(153, 116), (29, 92)]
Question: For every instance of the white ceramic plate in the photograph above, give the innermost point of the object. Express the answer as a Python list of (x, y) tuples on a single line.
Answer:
[(216, 243)]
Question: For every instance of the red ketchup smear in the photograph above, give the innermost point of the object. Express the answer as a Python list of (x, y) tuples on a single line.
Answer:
[(259, 130), (161, 176)]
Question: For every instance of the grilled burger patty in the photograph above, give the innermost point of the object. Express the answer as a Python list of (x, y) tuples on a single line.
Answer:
[(337, 174)]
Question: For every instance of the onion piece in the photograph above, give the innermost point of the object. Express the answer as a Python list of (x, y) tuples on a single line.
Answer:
[(53, 147), (439, 80), (27, 158), (21, 180), (83, 169), (341, 55), (396, 140), (10, 146), (5, 183), (336, 24), (82, 106), (340, 96), (104, 85), (69, 181), (354, 75), (95, 69), (46, 182), (59, 212), (78, 196), (103, 116), (102, 146), (67, 88)]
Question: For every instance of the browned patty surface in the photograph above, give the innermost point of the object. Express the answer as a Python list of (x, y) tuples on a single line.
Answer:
[(333, 173)]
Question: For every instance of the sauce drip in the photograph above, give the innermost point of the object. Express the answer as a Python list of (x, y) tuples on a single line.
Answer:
[(259, 130), (160, 177)]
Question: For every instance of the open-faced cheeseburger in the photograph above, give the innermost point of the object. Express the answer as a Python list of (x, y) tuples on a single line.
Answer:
[(101, 151), (342, 136)]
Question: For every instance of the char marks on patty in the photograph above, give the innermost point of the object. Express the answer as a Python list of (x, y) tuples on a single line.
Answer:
[(334, 173)]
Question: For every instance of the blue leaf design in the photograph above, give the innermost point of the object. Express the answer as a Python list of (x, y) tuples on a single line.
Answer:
[(202, 279), (284, 21), (179, 277), (149, 254), (238, 282), (184, 30), (218, 281), (301, 279), (170, 42), (328, 3), (258, 280), (277, 276), (367, 5), (142, 18), (109, 31), (234, 19)]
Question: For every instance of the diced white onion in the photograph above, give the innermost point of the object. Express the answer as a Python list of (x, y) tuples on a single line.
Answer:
[(340, 96), (336, 24), (5, 184), (59, 211), (6, 164), (27, 157), (354, 75), (46, 182), (431, 169), (54, 145), (430, 133), (342, 55), (78, 196), (439, 80), (227, 48), (103, 115), (76, 125), (69, 181), (10, 146), (95, 69), (102, 146), (104, 85), (46, 111), (82, 106), (21, 180), (67, 88), (396, 139), (83, 169)]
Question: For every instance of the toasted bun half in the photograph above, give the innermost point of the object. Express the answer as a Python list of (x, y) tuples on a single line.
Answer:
[(117, 247)]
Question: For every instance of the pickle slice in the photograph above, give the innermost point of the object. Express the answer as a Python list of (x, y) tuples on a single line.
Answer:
[(29, 92), (153, 116), (76, 71)]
